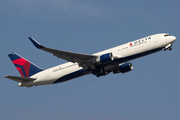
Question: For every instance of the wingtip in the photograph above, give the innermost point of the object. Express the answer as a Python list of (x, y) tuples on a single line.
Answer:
[(35, 43), (6, 76)]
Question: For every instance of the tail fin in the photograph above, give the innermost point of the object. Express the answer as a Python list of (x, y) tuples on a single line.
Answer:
[(25, 68)]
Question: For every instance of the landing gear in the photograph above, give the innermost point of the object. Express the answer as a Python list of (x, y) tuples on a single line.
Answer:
[(169, 47), (98, 72)]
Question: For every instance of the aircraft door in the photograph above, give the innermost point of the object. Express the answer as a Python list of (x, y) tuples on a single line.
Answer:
[(155, 40), (47, 75), (166, 40)]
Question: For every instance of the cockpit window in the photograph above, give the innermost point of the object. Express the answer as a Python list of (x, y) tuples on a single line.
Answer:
[(167, 35)]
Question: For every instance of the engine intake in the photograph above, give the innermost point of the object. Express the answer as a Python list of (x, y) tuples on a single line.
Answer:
[(123, 68), (108, 57)]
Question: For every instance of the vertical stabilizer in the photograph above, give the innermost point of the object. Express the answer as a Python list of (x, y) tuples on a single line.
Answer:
[(25, 68)]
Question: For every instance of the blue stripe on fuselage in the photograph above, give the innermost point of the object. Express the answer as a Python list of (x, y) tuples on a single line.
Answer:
[(73, 75), (132, 57), (117, 61)]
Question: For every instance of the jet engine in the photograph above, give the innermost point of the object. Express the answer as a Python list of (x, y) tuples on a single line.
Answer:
[(123, 68), (108, 57)]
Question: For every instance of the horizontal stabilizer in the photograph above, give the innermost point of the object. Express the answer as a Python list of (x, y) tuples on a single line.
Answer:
[(20, 79)]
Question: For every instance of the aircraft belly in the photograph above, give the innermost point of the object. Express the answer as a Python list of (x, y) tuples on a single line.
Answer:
[(73, 75)]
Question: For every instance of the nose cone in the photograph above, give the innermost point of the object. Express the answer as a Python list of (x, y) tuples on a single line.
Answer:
[(173, 39)]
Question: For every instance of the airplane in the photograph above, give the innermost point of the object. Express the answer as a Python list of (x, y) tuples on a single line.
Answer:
[(115, 60)]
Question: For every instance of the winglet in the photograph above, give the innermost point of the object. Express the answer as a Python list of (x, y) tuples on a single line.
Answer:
[(36, 44)]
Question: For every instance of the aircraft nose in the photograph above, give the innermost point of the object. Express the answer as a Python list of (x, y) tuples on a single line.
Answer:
[(173, 38)]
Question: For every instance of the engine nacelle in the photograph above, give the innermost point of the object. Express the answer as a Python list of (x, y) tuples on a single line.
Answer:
[(123, 68), (108, 57)]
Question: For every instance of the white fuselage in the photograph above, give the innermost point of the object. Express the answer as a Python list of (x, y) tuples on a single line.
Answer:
[(121, 53)]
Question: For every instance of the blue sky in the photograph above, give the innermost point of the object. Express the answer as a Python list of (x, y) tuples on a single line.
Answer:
[(149, 92)]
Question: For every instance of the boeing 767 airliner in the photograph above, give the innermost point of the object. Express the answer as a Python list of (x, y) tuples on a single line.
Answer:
[(99, 64)]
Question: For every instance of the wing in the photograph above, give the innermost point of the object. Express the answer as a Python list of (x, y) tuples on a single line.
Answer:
[(84, 60), (20, 79)]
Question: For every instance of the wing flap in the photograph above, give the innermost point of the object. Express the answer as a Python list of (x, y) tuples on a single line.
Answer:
[(20, 79), (69, 56)]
